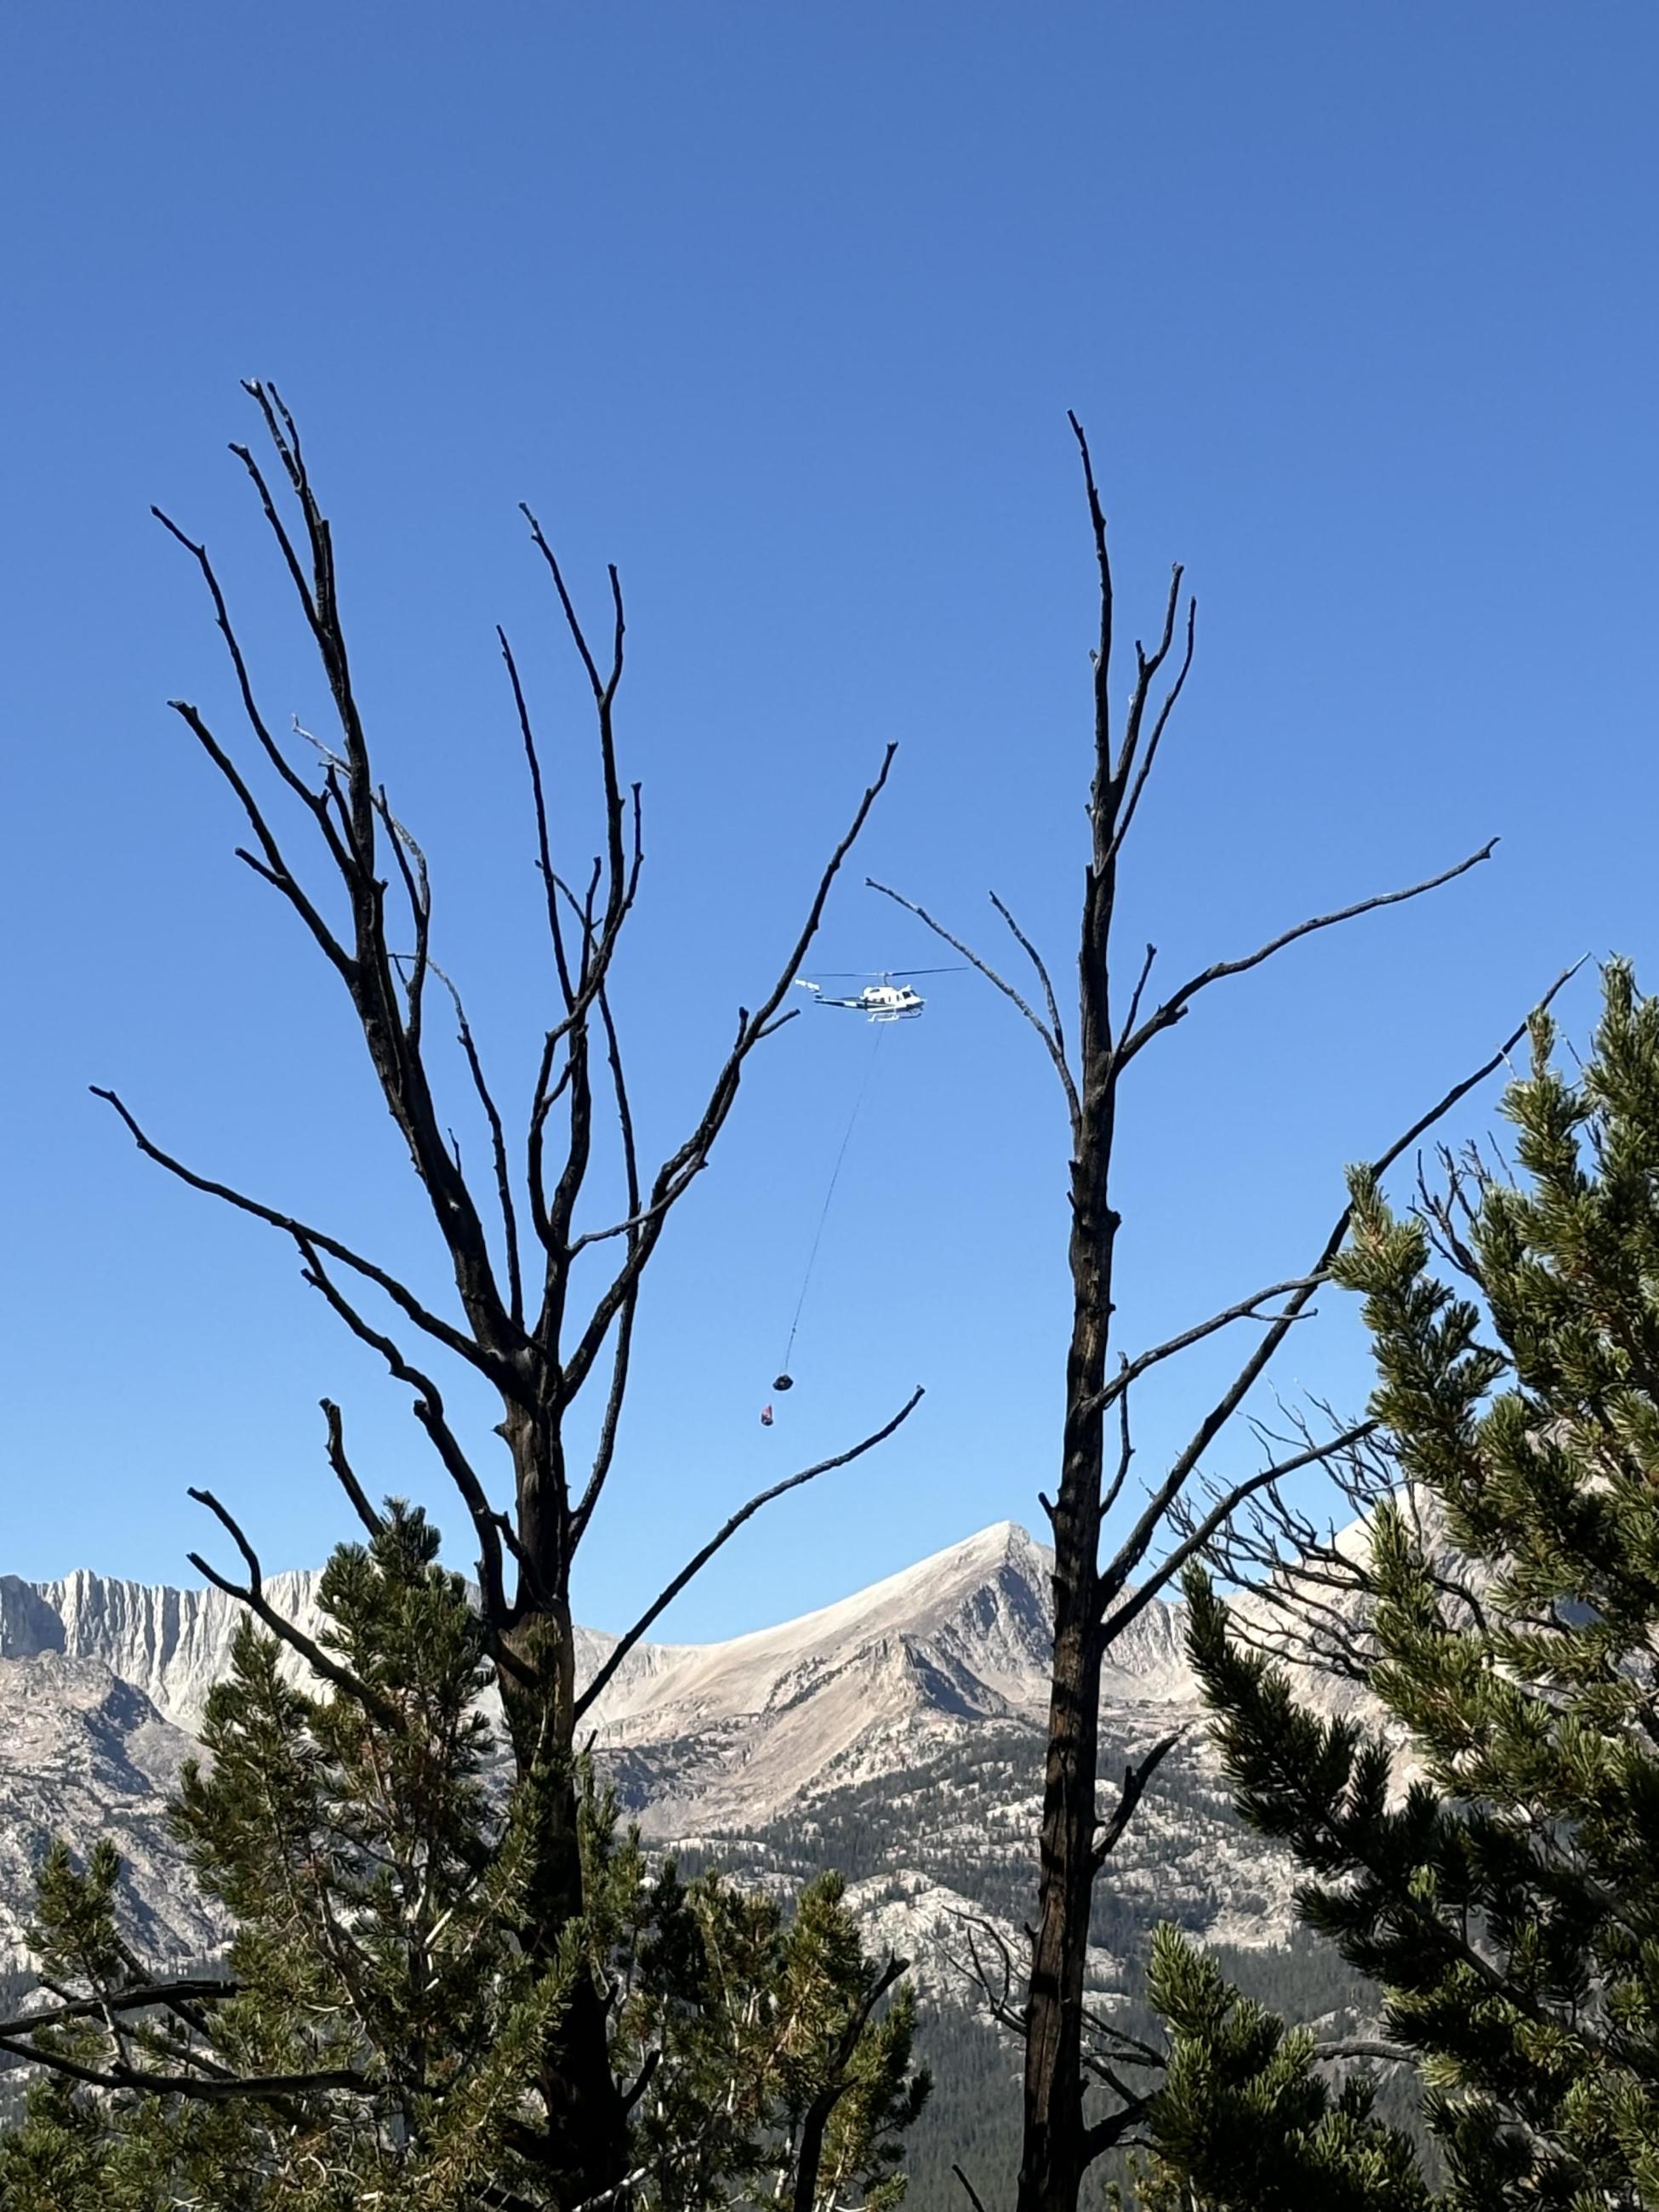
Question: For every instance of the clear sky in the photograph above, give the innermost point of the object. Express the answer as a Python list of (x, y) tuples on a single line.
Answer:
[(780, 306)]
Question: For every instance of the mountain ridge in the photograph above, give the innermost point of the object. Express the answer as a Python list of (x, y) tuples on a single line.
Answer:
[(898, 1731)]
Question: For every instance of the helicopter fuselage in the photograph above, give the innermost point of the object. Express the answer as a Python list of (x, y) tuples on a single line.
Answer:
[(890, 1002), (882, 1002)]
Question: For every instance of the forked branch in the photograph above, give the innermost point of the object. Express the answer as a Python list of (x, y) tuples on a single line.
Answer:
[(251, 1593), (497, 1369), (1175, 1007), (1053, 1043)]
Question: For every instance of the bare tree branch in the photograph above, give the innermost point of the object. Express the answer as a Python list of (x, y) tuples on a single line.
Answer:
[(140, 1996), (1245, 1309), (675, 1175), (1053, 1043), (497, 1145), (1056, 1028), (498, 1370), (1105, 2135), (1102, 654), (274, 868), (605, 1449), (1175, 1007), (543, 846), (973, 2194), (428, 1410), (314, 802), (1137, 994), (1114, 1623), (1135, 1778), (696, 1565), (1361, 2047), (1146, 669), (1171, 698), (343, 1470), (251, 1595), (1135, 1545), (997, 1995), (214, 2089)]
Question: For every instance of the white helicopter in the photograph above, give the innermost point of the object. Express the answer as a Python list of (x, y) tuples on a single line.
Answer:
[(883, 999)]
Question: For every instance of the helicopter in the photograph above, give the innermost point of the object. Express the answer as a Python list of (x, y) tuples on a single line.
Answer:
[(883, 999)]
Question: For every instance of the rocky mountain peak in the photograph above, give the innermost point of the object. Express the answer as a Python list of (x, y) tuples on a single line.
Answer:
[(103, 1683)]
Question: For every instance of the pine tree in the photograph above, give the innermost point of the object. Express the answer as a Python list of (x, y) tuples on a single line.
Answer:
[(849, 2090), (1244, 2122), (374, 2035), (1507, 1898)]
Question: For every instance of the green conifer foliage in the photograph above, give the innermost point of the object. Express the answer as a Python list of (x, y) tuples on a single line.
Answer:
[(374, 2035), (1508, 1899), (1244, 2122)]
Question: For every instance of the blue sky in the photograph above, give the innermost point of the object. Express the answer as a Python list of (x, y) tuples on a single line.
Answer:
[(782, 308)]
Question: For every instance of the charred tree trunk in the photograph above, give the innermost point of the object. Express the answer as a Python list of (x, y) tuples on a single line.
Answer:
[(522, 1329), (1067, 2056), (1052, 2162), (584, 2130)]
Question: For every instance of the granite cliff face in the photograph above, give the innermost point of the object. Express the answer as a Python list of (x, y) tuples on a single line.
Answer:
[(897, 1734), (171, 1644), (174, 1644)]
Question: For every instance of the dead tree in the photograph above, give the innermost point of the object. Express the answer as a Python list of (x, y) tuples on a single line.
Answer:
[(1096, 1599), (521, 1317)]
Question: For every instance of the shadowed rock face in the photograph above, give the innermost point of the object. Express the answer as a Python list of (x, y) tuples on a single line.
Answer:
[(28, 1625), (891, 1697)]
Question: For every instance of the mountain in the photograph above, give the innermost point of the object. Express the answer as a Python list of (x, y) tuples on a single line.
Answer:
[(896, 1734), (84, 1754)]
